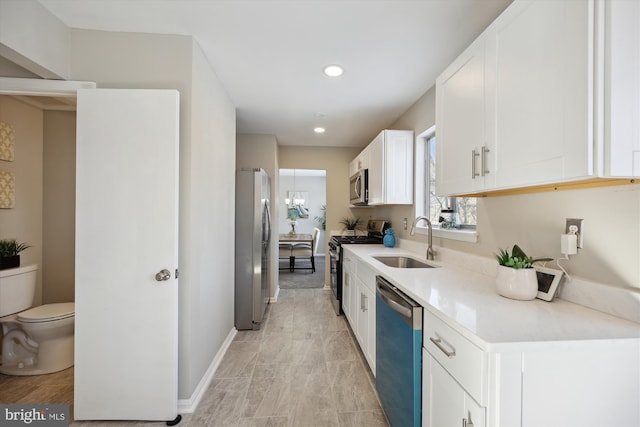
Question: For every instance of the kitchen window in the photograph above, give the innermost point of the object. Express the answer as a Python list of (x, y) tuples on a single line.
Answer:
[(452, 217)]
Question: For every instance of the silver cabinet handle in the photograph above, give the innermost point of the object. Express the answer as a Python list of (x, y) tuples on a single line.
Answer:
[(483, 160), (440, 345), (366, 303), (474, 154), (163, 275)]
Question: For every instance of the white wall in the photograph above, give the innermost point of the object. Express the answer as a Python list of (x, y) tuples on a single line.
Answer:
[(33, 38), (207, 150), (207, 199), (24, 222)]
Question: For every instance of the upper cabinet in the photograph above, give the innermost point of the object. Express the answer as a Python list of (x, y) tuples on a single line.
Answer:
[(464, 116), (360, 162), (390, 164), (543, 92), (620, 88), (549, 93)]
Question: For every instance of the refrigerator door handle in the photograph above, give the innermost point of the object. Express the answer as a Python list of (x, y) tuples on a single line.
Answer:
[(267, 226)]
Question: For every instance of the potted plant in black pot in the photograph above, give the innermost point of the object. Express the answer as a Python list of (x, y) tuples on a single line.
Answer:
[(10, 253)]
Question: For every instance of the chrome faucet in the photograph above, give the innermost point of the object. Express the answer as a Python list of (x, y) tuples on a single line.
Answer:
[(430, 252)]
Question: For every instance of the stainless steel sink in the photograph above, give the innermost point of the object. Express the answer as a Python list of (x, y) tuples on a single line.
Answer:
[(402, 262)]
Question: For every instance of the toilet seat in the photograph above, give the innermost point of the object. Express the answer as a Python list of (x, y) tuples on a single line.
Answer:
[(47, 313)]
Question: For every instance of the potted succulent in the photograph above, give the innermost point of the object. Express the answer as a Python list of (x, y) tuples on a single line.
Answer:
[(10, 253), (516, 278), (350, 225)]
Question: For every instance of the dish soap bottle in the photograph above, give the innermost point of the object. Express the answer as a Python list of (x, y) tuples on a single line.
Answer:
[(389, 239)]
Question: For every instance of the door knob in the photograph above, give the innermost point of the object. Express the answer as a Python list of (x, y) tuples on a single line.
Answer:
[(163, 275)]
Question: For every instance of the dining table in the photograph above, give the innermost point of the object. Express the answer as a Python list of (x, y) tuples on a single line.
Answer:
[(295, 238), (292, 239)]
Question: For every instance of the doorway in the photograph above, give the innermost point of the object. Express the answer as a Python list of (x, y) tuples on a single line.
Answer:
[(43, 215), (302, 199)]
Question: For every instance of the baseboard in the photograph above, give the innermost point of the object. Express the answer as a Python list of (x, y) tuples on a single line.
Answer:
[(188, 406), (275, 297)]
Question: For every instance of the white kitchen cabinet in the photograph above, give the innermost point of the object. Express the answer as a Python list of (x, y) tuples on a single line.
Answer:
[(527, 384), (359, 305), (362, 322), (444, 401), (464, 133), (348, 287), (391, 168), (551, 89), (620, 84), (509, 363), (543, 92), (366, 312), (360, 162)]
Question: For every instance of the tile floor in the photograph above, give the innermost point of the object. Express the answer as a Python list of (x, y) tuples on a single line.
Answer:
[(302, 369)]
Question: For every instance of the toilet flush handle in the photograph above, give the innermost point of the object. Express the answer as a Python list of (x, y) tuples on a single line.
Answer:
[(163, 275)]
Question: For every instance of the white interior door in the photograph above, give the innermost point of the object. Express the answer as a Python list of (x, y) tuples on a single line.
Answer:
[(126, 336)]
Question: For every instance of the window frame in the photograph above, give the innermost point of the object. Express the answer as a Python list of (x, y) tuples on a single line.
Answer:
[(421, 196)]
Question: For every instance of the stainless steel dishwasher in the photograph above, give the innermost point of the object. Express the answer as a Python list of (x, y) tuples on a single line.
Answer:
[(398, 355)]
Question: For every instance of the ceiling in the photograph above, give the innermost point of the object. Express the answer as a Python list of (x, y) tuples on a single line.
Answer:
[(269, 55)]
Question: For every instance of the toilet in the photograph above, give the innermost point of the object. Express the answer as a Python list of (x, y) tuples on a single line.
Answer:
[(36, 340)]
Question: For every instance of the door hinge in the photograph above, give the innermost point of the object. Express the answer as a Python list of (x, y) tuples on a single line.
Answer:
[(177, 273)]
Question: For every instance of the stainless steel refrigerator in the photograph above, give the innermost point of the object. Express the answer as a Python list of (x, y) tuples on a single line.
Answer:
[(253, 232)]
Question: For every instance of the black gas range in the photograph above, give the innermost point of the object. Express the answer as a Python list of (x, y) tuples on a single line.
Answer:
[(374, 236)]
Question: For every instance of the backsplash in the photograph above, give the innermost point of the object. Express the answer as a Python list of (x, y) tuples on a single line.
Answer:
[(617, 301)]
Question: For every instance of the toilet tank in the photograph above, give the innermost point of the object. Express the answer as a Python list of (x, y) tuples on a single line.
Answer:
[(17, 288)]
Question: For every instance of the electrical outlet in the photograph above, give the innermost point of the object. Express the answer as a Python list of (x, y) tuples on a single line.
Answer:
[(575, 225)]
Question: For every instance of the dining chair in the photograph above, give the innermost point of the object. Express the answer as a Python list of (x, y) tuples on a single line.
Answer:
[(284, 252), (306, 250)]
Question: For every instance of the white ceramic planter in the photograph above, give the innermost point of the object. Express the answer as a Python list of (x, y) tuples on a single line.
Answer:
[(520, 284)]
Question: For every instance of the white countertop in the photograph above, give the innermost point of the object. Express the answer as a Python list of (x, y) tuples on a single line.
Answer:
[(468, 302)]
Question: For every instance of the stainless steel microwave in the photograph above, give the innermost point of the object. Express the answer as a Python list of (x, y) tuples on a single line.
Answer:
[(359, 187)]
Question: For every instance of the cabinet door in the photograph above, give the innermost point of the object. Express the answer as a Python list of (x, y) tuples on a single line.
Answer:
[(376, 170), (364, 160), (398, 167), (442, 397), (544, 92), (347, 290), (362, 328), (460, 123), (622, 112), (353, 166), (444, 401), (371, 320)]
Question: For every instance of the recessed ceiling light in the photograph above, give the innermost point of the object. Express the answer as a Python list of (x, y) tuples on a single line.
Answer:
[(333, 70), (318, 130)]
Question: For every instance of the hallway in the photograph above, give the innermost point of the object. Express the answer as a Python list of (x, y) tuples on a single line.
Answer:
[(301, 369)]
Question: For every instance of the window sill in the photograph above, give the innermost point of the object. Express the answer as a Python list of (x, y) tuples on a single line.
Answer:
[(470, 236)]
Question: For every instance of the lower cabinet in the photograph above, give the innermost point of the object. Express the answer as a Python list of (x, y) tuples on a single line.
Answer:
[(444, 401), (359, 305), (575, 383), (366, 329), (348, 285)]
